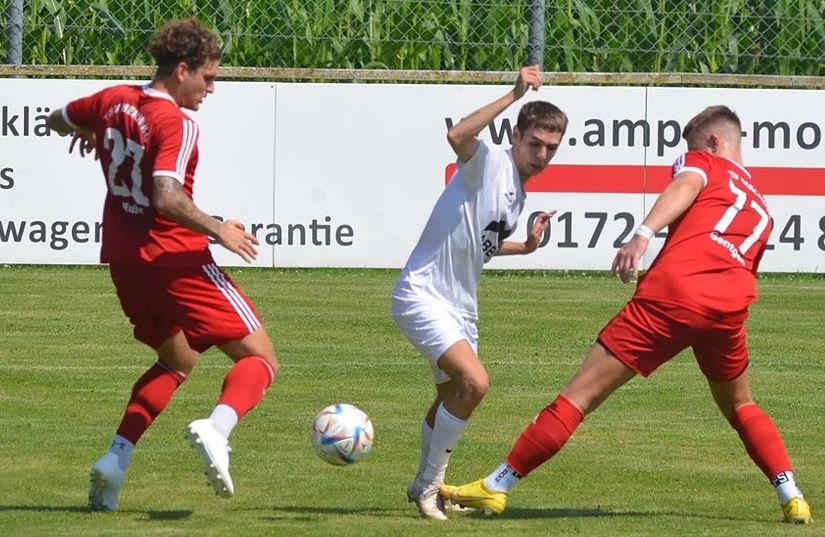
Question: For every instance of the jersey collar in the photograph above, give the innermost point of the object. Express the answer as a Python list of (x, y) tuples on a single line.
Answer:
[(739, 166), (152, 92)]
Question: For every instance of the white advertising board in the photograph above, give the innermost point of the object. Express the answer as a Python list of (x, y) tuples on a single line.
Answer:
[(345, 175)]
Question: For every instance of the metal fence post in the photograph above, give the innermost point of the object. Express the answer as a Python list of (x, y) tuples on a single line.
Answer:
[(14, 16), (535, 39)]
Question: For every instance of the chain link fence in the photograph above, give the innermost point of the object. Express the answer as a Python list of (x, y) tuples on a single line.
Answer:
[(773, 37)]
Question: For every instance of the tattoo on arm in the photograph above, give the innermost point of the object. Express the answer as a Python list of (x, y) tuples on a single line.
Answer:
[(171, 201)]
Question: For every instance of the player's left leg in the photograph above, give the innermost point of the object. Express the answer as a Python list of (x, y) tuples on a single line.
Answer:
[(217, 313), (599, 375), (243, 388), (255, 369), (763, 443)]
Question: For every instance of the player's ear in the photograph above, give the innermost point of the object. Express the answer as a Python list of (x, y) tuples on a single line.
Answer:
[(516, 134), (712, 143), (180, 71)]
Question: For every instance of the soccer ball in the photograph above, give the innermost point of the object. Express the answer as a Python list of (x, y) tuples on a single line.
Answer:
[(342, 434)]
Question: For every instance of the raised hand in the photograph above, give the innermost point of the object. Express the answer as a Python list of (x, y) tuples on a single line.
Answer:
[(528, 77), (540, 225)]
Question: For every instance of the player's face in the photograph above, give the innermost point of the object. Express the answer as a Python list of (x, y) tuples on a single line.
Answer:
[(533, 149), (196, 85)]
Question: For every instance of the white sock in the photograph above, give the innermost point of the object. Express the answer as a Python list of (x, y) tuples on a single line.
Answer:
[(224, 418), (426, 437), (447, 431), (123, 449), (502, 479), (786, 487)]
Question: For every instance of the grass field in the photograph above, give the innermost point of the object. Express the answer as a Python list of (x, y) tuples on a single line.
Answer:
[(657, 459)]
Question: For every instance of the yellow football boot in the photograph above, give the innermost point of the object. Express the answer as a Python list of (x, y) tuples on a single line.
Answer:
[(477, 496)]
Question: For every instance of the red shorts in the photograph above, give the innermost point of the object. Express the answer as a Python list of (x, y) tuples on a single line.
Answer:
[(646, 334), (201, 301)]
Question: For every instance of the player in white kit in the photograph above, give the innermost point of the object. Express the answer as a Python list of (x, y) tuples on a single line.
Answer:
[(434, 301)]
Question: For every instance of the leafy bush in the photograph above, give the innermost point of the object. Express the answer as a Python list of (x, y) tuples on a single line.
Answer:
[(725, 36)]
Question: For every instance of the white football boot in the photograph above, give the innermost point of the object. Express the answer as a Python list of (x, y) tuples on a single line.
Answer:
[(214, 450), (426, 497), (105, 481)]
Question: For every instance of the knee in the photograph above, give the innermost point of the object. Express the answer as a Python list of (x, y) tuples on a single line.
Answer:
[(184, 361), (738, 415), (269, 362), (475, 387), (273, 363)]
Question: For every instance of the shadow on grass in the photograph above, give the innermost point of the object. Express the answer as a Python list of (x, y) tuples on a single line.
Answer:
[(45, 508), (165, 515), (298, 512), (306, 513), (150, 515), (525, 513)]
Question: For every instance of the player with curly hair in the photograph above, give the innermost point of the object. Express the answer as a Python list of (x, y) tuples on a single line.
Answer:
[(155, 240)]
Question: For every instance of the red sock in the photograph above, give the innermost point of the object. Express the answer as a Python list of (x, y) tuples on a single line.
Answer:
[(150, 395), (246, 383), (545, 436), (762, 440)]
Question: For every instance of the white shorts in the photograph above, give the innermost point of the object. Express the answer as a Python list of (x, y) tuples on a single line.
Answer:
[(432, 328)]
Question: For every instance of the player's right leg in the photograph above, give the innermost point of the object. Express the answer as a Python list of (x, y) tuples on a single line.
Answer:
[(456, 399), (763, 443), (138, 289), (449, 343), (150, 396)]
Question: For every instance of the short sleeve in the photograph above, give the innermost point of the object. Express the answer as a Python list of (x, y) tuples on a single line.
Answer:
[(83, 112), (693, 161), (176, 139), (472, 171)]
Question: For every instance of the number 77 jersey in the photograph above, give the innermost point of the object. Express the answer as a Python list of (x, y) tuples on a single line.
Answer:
[(709, 260), (141, 133)]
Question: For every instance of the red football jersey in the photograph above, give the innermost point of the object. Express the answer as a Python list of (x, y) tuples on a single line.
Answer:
[(709, 260), (141, 133)]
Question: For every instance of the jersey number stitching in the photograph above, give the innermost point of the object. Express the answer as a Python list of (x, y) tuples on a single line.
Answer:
[(731, 212), (120, 149)]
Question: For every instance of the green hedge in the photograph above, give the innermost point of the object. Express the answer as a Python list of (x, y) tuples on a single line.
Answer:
[(728, 36)]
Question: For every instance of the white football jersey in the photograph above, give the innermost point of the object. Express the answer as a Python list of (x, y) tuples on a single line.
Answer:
[(478, 209)]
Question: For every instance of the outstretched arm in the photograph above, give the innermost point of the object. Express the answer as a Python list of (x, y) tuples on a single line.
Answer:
[(676, 198), (463, 135), (172, 202), (58, 124), (86, 137)]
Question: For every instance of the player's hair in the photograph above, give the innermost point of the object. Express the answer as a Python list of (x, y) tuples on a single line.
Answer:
[(183, 40), (541, 115), (707, 118)]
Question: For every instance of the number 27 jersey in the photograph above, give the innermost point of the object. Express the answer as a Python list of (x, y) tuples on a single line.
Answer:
[(141, 134), (709, 260)]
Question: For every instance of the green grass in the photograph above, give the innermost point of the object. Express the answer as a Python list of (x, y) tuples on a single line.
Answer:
[(657, 459)]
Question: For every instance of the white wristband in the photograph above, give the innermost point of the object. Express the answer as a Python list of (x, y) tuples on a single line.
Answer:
[(644, 231)]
